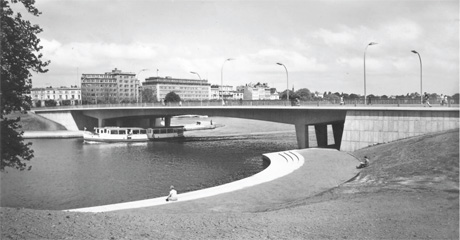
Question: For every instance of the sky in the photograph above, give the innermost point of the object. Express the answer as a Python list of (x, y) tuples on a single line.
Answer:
[(321, 43)]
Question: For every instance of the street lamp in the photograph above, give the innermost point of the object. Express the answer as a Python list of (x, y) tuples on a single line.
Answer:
[(421, 93), (222, 76), (287, 80), (365, 96), (201, 98), (137, 90)]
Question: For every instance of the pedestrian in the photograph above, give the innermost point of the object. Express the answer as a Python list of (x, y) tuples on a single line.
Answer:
[(426, 99), (341, 101), (364, 163), (172, 194)]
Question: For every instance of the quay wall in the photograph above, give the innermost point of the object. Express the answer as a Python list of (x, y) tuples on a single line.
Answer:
[(364, 128)]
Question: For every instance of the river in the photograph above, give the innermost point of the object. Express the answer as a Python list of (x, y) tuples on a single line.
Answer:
[(67, 173)]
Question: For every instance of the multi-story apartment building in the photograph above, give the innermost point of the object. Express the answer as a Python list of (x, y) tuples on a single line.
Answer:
[(110, 87), (61, 95), (187, 89), (259, 91), (226, 91)]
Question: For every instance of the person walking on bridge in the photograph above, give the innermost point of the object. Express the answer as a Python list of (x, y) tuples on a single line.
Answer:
[(426, 100)]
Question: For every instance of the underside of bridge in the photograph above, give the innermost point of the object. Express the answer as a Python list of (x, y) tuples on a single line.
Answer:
[(323, 132)]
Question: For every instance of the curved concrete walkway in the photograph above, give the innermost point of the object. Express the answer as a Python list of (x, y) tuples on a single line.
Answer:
[(291, 176)]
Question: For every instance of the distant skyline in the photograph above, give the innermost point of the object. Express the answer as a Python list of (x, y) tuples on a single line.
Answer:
[(321, 43)]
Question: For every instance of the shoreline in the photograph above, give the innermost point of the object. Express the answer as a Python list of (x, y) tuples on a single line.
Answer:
[(281, 164)]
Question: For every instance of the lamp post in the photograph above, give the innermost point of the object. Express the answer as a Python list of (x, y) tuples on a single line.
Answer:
[(421, 93), (365, 96), (201, 98), (222, 76), (287, 81), (137, 90)]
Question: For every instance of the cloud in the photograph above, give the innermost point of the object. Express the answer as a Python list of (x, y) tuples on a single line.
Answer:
[(344, 36), (402, 30), (86, 54)]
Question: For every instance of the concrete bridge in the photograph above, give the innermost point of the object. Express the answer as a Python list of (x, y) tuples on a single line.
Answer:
[(353, 127)]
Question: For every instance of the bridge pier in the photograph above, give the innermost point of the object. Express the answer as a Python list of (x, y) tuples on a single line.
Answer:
[(321, 135), (301, 131), (167, 121), (337, 129), (100, 122)]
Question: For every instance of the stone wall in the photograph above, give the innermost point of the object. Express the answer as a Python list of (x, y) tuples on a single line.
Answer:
[(369, 127)]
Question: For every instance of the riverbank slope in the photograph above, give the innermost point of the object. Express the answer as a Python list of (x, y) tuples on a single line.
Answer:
[(410, 191)]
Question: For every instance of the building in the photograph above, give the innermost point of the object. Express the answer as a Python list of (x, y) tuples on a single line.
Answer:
[(217, 91), (187, 89), (61, 95), (110, 87), (259, 91)]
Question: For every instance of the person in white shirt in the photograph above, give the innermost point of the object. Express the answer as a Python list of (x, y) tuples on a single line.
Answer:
[(364, 163), (172, 195)]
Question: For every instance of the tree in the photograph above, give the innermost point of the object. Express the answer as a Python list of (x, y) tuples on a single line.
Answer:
[(148, 95), (304, 94), (353, 96), (292, 95), (20, 54), (172, 97)]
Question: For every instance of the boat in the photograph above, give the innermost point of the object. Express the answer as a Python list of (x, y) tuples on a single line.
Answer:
[(158, 133), (116, 134)]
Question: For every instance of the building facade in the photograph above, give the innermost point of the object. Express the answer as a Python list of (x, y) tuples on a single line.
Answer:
[(258, 91), (61, 95), (187, 89), (225, 92), (110, 87)]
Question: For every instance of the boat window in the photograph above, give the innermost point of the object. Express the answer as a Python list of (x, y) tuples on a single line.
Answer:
[(156, 131), (180, 130), (135, 131), (113, 131), (170, 130), (163, 130), (143, 131), (122, 132)]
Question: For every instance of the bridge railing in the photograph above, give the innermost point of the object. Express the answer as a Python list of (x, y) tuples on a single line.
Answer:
[(215, 103)]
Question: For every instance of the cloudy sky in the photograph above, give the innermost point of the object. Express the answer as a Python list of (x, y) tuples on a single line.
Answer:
[(322, 43)]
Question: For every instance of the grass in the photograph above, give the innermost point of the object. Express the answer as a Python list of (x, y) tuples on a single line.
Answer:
[(429, 160)]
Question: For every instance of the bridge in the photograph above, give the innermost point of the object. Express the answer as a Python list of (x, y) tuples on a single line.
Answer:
[(353, 127)]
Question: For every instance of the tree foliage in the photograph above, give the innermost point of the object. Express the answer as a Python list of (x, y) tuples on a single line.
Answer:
[(304, 94), (172, 97), (148, 95), (292, 95), (20, 54)]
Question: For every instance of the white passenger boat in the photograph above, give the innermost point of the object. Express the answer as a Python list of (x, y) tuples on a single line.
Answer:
[(158, 133), (116, 134)]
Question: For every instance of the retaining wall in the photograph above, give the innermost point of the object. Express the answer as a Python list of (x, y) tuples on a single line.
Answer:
[(369, 127)]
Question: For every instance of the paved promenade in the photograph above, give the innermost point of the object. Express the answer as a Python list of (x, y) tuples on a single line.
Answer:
[(291, 176)]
